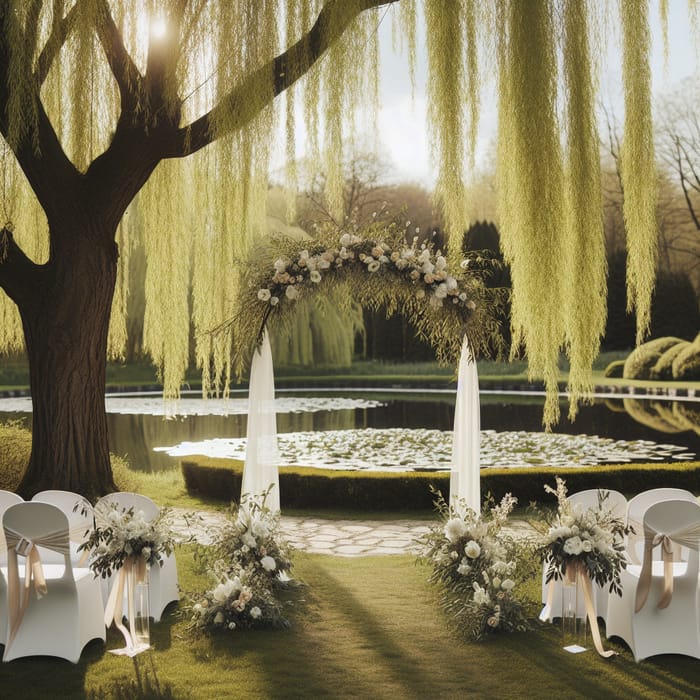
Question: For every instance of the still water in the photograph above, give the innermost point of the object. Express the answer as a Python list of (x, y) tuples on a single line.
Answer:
[(137, 424)]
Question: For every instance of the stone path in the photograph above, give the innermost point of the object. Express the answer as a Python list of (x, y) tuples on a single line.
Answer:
[(345, 538)]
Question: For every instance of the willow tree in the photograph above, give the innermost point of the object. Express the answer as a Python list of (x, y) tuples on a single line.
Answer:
[(105, 125)]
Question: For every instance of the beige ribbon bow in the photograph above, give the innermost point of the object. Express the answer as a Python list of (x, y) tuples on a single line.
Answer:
[(18, 545), (577, 573), (686, 537), (114, 610)]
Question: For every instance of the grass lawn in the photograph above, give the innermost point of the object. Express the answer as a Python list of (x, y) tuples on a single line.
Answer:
[(366, 628)]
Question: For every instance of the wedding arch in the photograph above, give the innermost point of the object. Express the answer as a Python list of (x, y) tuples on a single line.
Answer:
[(450, 308)]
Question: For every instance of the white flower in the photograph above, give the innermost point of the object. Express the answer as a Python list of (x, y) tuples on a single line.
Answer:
[(219, 618), (268, 563), (463, 567), (508, 584), (586, 545), (373, 265), (255, 612), (345, 240), (323, 264), (496, 582), (441, 291), (260, 529), (146, 552), (291, 292), (274, 301), (481, 596), (455, 528), (315, 276), (451, 284), (232, 625), (264, 294), (573, 546), (280, 265), (248, 539), (472, 549)]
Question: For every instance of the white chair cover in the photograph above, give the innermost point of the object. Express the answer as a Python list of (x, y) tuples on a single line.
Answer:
[(466, 441), (7, 499), (662, 625), (58, 608), (81, 519), (260, 470), (637, 507), (163, 588)]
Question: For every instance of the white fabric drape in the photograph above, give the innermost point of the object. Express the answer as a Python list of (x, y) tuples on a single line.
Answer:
[(466, 441), (261, 454)]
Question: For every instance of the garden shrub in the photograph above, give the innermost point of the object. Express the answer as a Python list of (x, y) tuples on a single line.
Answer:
[(686, 365), (615, 369), (16, 441), (663, 369), (318, 488), (641, 360)]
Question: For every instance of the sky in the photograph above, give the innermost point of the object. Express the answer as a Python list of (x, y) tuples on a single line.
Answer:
[(402, 132)]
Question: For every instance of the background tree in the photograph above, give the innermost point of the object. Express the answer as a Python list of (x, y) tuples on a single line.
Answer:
[(96, 109)]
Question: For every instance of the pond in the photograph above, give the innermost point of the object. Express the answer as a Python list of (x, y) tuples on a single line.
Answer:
[(398, 429)]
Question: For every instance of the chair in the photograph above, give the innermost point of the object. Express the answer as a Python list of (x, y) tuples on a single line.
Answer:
[(617, 503), (70, 613), (673, 629), (163, 588), (637, 507), (7, 499), (81, 520)]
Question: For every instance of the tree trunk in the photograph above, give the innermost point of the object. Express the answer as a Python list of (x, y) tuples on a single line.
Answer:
[(66, 322)]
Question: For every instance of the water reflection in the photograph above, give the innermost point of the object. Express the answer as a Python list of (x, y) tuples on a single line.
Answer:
[(136, 435)]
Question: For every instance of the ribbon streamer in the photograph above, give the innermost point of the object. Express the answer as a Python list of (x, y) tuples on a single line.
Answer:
[(114, 610), (576, 573), (670, 543), (17, 595)]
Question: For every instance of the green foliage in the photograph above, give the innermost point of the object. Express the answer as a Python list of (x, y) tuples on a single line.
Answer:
[(642, 359), (686, 365), (310, 488), (16, 443), (377, 268), (615, 369), (663, 369)]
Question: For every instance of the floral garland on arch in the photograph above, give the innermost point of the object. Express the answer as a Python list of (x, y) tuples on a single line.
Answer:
[(374, 267)]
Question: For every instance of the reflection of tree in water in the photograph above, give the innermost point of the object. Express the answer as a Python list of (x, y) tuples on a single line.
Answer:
[(664, 416)]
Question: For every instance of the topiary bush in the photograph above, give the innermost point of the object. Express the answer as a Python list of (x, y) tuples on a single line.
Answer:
[(319, 488), (686, 364), (16, 441), (615, 369), (663, 369), (642, 359)]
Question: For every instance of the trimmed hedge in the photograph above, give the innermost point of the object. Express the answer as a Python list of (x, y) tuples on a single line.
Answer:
[(302, 487)]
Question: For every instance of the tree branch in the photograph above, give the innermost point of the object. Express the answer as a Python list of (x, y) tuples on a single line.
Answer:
[(127, 76), (61, 30), (247, 100), (17, 271)]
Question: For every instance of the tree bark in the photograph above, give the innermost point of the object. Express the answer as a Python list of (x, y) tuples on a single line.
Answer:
[(66, 321)]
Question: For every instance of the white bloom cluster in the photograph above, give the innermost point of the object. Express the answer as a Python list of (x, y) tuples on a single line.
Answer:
[(425, 268)]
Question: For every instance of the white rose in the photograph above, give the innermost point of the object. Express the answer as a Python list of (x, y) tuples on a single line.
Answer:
[(219, 594), (274, 301), (232, 625), (268, 563), (454, 529), (586, 546), (291, 292), (255, 612), (573, 546), (315, 277), (508, 584), (472, 549), (263, 294), (463, 568), (373, 265), (345, 240), (496, 582)]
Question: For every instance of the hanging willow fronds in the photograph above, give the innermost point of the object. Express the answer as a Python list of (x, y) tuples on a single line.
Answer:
[(531, 193), (585, 290), (638, 169)]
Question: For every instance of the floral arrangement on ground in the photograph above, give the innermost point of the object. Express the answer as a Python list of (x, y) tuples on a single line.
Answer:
[(478, 568), (376, 267), (591, 538), (122, 533), (250, 562)]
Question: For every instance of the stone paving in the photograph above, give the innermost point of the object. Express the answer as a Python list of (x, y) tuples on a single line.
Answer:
[(344, 538)]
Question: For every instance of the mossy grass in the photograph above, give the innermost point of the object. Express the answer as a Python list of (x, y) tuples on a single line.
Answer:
[(366, 628)]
